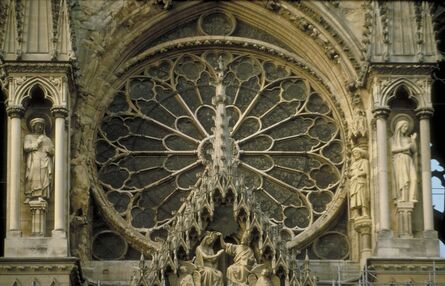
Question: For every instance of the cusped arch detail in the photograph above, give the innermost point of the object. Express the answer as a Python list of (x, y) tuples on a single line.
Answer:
[(389, 92), (49, 88)]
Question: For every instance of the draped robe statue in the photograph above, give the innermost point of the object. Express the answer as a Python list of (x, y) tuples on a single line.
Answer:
[(404, 150), (206, 262), (243, 260), (359, 190), (39, 151)]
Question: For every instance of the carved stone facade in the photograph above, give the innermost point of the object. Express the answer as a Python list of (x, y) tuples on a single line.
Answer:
[(217, 142)]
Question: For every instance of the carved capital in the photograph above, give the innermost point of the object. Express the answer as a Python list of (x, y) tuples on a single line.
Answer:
[(15, 111), (381, 112), (59, 111), (363, 225), (424, 113)]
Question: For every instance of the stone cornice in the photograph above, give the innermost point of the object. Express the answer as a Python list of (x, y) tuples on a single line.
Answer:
[(400, 264), (37, 67), (402, 68), (396, 69), (40, 266)]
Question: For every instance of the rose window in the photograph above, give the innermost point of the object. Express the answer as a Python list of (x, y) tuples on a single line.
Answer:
[(154, 139)]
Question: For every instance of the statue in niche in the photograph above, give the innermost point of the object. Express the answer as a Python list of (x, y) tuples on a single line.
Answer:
[(206, 262), (359, 191), (404, 151), (243, 260), (39, 151)]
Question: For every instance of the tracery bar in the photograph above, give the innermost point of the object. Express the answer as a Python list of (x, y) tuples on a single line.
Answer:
[(60, 172), (381, 114), (15, 114), (425, 154)]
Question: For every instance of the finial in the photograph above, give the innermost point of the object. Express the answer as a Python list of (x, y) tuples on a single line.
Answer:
[(220, 72)]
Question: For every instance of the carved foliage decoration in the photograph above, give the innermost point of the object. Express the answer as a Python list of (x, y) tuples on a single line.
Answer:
[(155, 137)]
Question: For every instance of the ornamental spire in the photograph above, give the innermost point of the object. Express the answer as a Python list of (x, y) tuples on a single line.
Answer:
[(222, 143)]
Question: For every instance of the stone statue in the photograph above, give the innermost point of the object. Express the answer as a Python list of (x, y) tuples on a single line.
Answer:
[(243, 260), (359, 191), (185, 277), (264, 279), (39, 151), (206, 261), (404, 150)]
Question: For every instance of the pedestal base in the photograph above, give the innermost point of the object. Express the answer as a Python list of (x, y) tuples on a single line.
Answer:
[(38, 212), (387, 247), (404, 214), (40, 271), (36, 247), (363, 226)]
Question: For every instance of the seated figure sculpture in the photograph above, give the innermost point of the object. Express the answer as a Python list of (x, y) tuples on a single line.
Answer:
[(206, 262), (243, 260)]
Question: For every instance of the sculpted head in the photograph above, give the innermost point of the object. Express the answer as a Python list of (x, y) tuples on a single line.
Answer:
[(209, 238), (37, 125), (403, 126), (358, 153)]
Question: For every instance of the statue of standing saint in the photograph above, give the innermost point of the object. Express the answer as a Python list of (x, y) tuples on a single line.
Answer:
[(404, 150), (359, 191), (39, 150)]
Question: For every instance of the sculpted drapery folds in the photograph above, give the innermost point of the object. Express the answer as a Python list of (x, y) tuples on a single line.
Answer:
[(359, 192), (404, 150), (243, 260), (39, 151), (206, 262)]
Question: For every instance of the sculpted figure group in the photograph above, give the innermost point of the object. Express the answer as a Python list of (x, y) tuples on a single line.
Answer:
[(205, 270)]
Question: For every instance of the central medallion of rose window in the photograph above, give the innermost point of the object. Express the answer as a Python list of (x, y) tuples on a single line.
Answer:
[(155, 138)]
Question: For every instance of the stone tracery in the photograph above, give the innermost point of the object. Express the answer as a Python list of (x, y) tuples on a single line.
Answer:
[(284, 135)]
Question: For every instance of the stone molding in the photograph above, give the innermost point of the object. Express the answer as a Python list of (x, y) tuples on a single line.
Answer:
[(15, 111), (424, 113), (401, 264), (41, 265), (59, 111), (27, 269)]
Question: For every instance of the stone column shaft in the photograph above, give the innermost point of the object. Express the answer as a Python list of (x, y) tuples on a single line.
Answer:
[(425, 154), (382, 164), (15, 114), (60, 172)]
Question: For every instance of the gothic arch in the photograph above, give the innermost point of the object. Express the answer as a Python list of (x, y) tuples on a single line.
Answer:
[(330, 50), (390, 91), (115, 62), (23, 90)]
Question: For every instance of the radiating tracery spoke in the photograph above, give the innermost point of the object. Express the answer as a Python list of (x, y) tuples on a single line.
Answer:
[(156, 135)]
